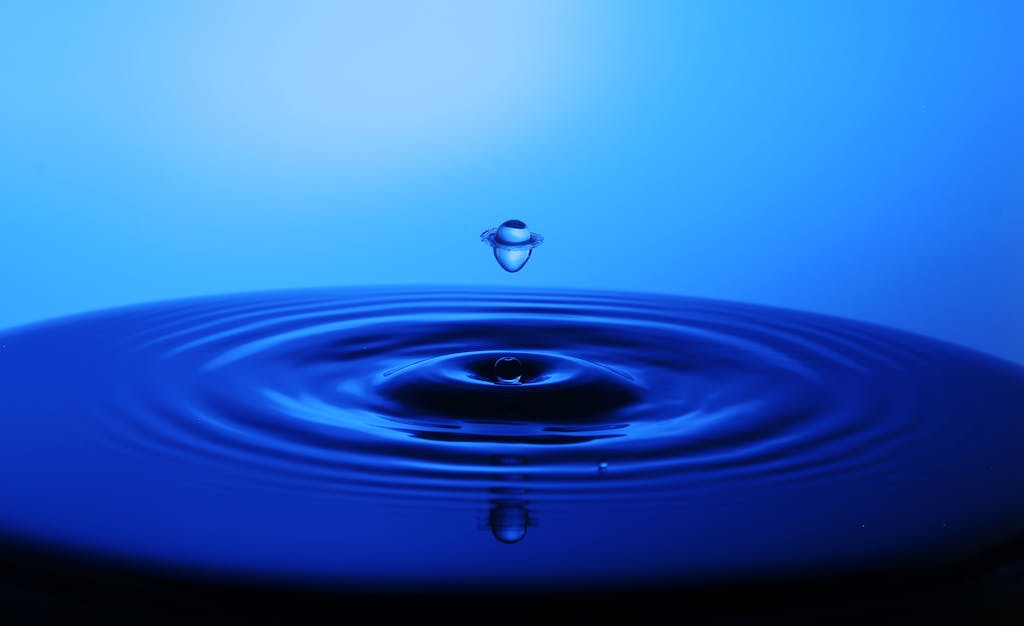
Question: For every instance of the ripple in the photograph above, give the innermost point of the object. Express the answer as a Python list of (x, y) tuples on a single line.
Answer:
[(364, 437)]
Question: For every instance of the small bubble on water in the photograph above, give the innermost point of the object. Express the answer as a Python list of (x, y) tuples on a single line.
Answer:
[(513, 243), (508, 370)]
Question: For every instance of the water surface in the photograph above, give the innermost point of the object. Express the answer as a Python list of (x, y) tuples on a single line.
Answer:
[(453, 439)]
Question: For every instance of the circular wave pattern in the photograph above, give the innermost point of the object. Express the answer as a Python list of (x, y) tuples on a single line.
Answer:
[(383, 437)]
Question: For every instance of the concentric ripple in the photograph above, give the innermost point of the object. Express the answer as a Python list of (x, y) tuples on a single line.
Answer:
[(386, 437)]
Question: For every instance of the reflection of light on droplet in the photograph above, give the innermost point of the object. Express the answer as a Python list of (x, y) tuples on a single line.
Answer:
[(602, 467), (513, 244), (509, 370), (508, 522)]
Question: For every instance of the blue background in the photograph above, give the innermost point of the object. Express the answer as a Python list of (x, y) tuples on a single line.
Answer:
[(863, 159)]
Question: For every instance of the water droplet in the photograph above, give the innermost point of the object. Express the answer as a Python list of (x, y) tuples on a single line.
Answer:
[(602, 467), (513, 244), (508, 522), (512, 259), (509, 370), (512, 232)]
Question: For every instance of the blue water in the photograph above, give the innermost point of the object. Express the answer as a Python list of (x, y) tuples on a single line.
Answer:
[(669, 391), (374, 439)]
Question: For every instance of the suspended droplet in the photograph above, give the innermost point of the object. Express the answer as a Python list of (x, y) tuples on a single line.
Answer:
[(602, 467), (512, 232), (508, 370), (513, 243), (512, 259)]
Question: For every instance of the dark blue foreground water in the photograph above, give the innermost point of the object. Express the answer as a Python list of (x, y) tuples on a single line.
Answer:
[(362, 439)]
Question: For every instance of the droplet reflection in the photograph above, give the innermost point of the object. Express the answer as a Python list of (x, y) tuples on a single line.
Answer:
[(509, 521)]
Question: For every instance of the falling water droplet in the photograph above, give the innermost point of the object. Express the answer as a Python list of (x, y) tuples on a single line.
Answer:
[(513, 243), (512, 232), (602, 467), (508, 370), (512, 259)]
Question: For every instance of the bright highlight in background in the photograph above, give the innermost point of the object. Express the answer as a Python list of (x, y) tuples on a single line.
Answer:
[(355, 86)]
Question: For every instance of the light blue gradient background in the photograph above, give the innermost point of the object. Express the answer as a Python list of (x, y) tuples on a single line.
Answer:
[(862, 159)]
